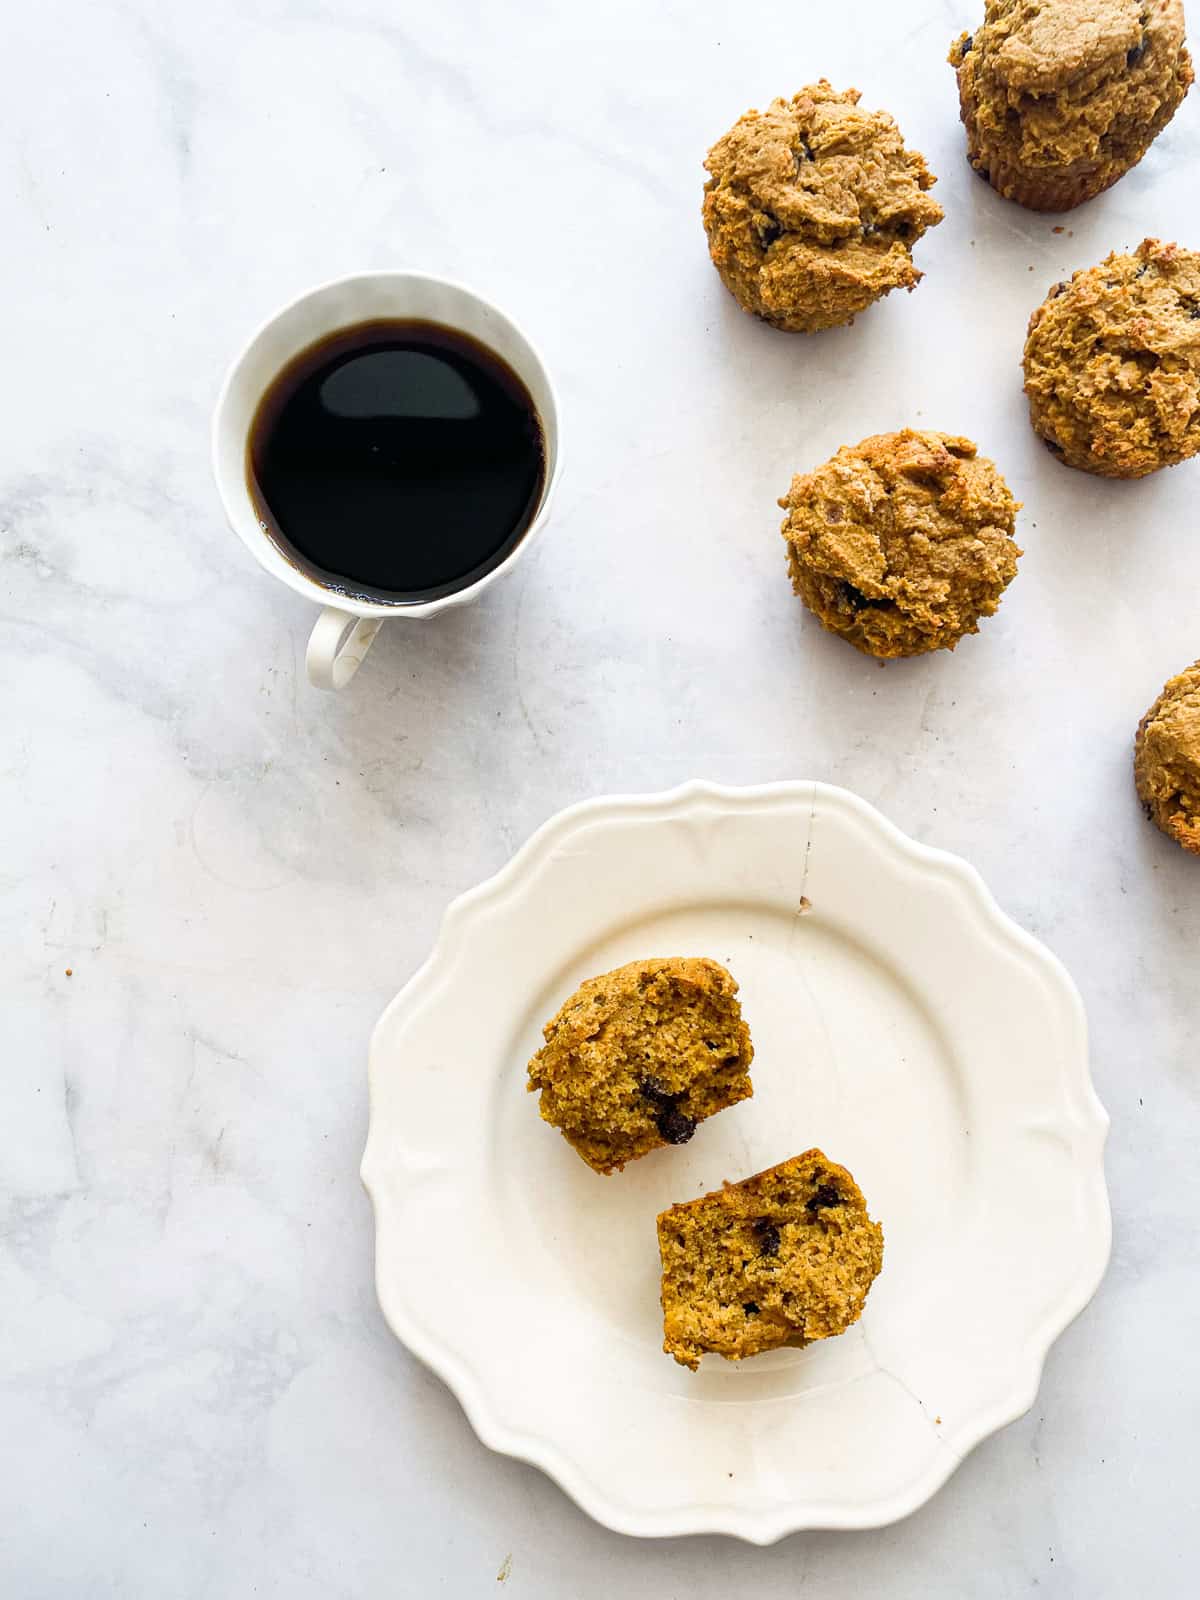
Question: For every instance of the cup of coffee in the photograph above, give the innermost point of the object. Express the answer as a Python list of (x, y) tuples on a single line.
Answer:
[(387, 445)]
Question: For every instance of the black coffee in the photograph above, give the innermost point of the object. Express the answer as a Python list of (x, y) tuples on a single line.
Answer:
[(398, 459)]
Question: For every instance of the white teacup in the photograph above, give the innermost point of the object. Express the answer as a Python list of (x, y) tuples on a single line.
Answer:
[(348, 623)]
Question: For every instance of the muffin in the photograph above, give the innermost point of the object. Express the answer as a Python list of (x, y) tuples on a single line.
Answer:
[(1061, 97), (1112, 363), (1166, 762), (783, 1258), (635, 1059), (901, 543), (813, 207)]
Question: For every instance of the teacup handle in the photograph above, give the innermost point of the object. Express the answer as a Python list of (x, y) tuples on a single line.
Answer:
[(337, 646)]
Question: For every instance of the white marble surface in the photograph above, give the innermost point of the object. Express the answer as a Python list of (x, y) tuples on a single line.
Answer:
[(198, 1397)]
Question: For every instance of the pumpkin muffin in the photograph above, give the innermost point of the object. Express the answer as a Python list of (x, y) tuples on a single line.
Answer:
[(1060, 98), (902, 543), (1166, 762), (1112, 363), (635, 1059), (783, 1258), (813, 207)]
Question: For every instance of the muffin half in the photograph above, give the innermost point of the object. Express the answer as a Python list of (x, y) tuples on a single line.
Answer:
[(638, 1057), (783, 1258)]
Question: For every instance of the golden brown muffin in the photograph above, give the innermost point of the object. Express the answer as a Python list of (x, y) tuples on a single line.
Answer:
[(1112, 363), (637, 1057), (783, 1258), (901, 543), (1061, 97), (1166, 761), (813, 208)]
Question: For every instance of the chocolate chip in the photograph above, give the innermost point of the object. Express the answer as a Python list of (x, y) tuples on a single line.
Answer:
[(750, 1308), (968, 41), (903, 230), (656, 1092), (826, 1195), (768, 1236), (853, 599), (768, 230), (675, 1126), (1053, 446), (1132, 57), (1059, 288), (1149, 810), (984, 174)]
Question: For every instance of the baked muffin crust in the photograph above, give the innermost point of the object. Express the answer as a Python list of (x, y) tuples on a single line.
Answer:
[(901, 543), (1166, 760), (1112, 363), (783, 1258), (813, 207), (1060, 98), (637, 1057)]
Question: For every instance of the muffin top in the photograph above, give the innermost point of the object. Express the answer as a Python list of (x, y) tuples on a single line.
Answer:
[(1070, 88), (1112, 363), (1035, 47), (813, 206), (1167, 759), (902, 542)]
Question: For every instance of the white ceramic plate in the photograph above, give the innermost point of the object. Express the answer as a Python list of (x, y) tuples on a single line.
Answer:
[(901, 1022)]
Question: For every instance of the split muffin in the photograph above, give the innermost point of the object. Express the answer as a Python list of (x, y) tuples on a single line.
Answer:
[(638, 1057), (783, 1258)]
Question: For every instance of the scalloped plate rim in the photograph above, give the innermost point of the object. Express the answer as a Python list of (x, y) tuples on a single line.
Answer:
[(755, 1527)]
